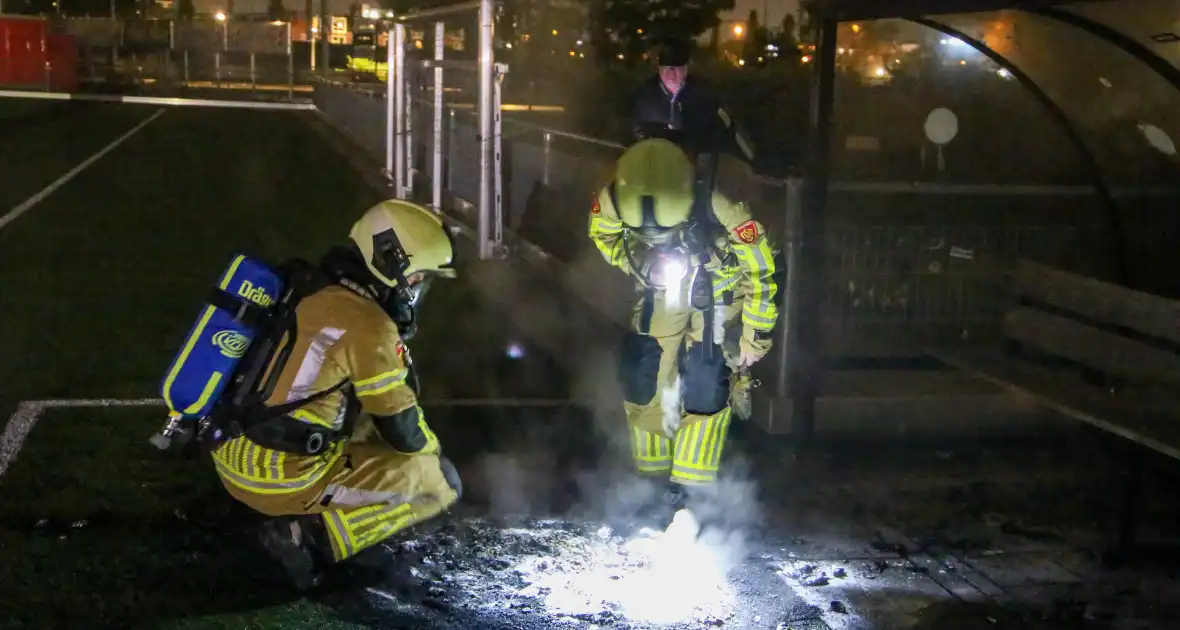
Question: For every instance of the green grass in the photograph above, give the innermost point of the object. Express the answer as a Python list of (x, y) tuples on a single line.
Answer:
[(134, 563), (40, 141), (99, 283), (102, 278)]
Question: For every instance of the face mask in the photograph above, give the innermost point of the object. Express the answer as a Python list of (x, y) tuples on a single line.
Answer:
[(418, 292), (402, 304)]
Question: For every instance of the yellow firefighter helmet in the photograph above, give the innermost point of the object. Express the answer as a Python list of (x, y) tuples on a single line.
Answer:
[(398, 238), (654, 188)]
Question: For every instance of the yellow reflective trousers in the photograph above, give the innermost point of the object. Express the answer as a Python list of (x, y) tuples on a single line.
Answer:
[(665, 439), (365, 492)]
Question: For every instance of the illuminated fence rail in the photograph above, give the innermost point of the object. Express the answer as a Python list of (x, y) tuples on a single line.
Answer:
[(905, 264), (172, 52)]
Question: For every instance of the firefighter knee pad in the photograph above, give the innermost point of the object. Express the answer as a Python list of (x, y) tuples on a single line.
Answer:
[(639, 367), (704, 381), (451, 474)]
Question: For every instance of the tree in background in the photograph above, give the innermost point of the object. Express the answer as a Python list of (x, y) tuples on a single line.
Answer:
[(754, 45), (787, 40), (184, 9), (632, 27), (788, 32), (808, 11)]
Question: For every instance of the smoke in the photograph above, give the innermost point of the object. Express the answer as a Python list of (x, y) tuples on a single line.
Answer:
[(582, 472), (670, 408)]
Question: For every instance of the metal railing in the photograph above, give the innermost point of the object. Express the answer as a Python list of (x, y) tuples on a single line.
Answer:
[(202, 53), (906, 263)]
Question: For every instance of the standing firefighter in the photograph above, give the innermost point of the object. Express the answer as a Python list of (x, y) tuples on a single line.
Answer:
[(335, 442), (702, 266)]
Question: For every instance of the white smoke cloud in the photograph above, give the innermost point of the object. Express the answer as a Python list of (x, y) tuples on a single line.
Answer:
[(646, 576), (670, 407)]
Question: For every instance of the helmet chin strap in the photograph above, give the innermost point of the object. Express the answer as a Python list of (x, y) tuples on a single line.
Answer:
[(401, 309)]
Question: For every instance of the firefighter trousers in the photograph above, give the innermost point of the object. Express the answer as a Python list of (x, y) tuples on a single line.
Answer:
[(676, 395), (371, 493)]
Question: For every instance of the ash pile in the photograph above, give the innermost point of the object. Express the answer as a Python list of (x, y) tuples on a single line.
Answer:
[(550, 573)]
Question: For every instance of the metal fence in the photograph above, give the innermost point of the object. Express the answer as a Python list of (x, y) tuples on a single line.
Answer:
[(189, 52), (904, 263)]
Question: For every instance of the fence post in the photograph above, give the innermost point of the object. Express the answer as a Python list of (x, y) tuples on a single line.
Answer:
[(396, 72), (808, 354), (548, 143), (291, 65), (408, 92), (325, 38), (450, 149), (440, 35), (497, 154), (486, 97), (168, 60), (390, 111), (789, 292)]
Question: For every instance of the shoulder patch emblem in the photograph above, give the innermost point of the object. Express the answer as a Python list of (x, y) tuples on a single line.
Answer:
[(596, 208), (747, 232)]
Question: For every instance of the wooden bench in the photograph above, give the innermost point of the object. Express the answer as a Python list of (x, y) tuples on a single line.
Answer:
[(1093, 351)]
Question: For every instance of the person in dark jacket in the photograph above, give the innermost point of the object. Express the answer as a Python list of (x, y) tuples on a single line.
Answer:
[(670, 105)]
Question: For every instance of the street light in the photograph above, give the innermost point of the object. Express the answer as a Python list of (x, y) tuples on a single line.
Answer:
[(738, 29), (219, 16)]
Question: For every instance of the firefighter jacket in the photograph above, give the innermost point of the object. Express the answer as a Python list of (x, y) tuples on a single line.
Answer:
[(741, 260), (341, 335)]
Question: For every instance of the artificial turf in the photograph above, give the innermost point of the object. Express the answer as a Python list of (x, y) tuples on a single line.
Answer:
[(100, 281)]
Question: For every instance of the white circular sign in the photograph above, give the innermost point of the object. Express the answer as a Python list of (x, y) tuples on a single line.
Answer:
[(1158, 138), (941, 125)]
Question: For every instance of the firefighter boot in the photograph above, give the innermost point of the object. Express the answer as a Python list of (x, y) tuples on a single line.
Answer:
[(292, 542), (658, 513)]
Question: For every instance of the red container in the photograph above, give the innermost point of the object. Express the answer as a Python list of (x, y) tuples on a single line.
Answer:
[(33, 57), (62, 55)]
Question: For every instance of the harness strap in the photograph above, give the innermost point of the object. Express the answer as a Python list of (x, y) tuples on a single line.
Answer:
[(243, 310)]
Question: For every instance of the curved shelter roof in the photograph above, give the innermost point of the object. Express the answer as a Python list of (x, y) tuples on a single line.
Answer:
[(1107, 74)]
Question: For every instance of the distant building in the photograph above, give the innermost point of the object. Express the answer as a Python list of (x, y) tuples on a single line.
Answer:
[(551, 25)]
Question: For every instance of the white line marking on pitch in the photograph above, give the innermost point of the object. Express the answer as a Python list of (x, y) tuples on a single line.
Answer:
[(28, 204), (29, 412), (16, 431)]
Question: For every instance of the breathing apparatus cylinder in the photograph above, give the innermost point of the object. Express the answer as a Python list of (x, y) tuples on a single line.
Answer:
[(222, 335)]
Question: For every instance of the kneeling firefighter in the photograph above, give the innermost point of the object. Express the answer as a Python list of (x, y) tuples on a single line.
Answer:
[(702, 265), (319, 423)]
